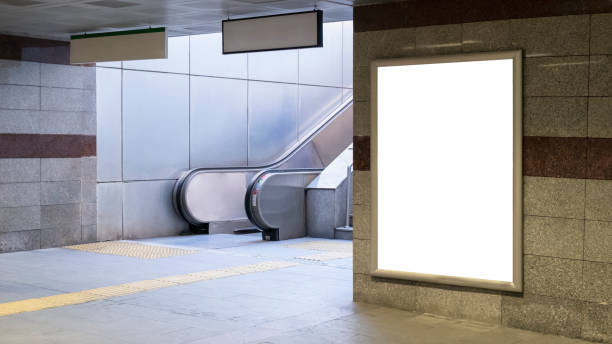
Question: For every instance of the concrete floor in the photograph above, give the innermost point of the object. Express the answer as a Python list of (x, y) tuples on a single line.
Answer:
[(310, 302)]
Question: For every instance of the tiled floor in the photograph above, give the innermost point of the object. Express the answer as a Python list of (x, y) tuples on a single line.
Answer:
[(310, 302)]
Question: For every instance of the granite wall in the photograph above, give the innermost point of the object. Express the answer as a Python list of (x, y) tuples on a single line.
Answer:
[(47, 147), (567, 157)]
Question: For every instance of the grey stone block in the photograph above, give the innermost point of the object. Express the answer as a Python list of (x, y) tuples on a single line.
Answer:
[(598, 282), (556, 76), (60, 169), (60, 236), (62, 122), (597, 323), (19, 121), (552, 36), (554, 237), (555, 116), (89, 123), (483, 307), (361, 221), (361, 187), (89, 233), (19, 97), (53, 216), (373, 45), (361, 119), (60, 192), (19, 241), (88, 188), (19, 170), (110, 211), (556, 197), (543, 314), (19, 194), (599, 200), (440, 39), (380, 292), (600, 79), (361, 92), (486, 36), (361, 256), (89, 168), (63, 99), (19, 218), (600, 117), (598, 241), (320, 221), (88, 214), (54, 75), (553, 277), (19, 72), (601, 26)]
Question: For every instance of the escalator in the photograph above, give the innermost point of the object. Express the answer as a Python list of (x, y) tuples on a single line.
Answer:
[(206, 195), (276, 199)]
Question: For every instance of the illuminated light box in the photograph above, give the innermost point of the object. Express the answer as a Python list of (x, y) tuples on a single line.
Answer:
[(447, 170), (276, 32), (119, 46)]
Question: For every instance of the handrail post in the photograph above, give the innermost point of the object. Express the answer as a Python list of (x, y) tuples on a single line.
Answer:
[(349, 190)]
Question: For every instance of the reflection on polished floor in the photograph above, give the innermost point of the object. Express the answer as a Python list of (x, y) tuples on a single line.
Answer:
[(220, 289)]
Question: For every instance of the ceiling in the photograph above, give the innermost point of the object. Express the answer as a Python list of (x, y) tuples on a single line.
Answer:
[(58, 19)]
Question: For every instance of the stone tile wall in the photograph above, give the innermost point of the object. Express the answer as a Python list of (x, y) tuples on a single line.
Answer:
[(567, 175), (47, 155)]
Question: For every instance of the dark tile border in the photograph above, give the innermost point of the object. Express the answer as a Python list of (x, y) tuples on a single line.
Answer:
[(413, 13), (560, 157), (14, 146), (34, 49), (361, 153), (599, 161)]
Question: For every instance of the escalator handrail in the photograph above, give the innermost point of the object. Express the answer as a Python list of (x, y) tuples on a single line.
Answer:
[(255, 216), (178, 199)]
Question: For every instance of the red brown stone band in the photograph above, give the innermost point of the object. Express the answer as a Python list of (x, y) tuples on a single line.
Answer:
[(413, 13), (557, 157), (567, 157), (13, 146), (34, 49)]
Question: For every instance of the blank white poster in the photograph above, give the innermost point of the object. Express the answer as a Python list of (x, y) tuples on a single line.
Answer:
[(445, 169)]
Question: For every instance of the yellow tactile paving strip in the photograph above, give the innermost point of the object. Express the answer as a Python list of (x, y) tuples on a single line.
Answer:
[(131, 249), (327, 246), (32, 305), (321, 257)]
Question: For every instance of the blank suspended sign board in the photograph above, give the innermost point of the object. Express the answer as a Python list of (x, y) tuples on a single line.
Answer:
[(446, 169), (119, 46), (276, 32)]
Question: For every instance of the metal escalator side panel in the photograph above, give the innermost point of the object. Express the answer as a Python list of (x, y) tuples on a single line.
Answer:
[(336, 137), (200, 195), (276, 200), (250, 201), (222, 200)]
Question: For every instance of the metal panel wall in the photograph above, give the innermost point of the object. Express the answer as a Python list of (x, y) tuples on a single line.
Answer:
[(219, 116), (108, 112), (148, 212), (272, 120), (110, 211), (207, 59), (155, 125), (315, 103), (323, 66), (177, 61), (347, 54), (218, 122), (281, 66)]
